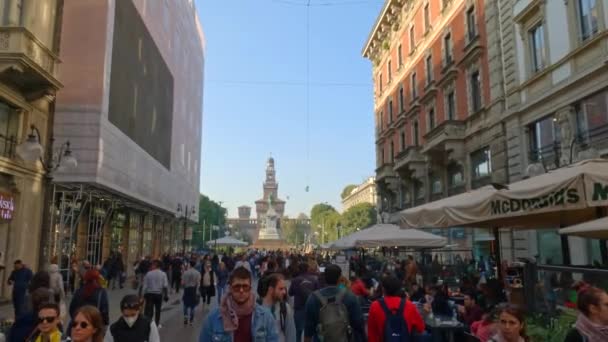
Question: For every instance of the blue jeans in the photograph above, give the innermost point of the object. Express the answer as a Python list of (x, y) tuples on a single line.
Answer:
[(219, 293), (189, 311), (299, 316)]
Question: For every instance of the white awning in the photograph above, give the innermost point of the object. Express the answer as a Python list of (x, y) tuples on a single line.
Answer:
[(227, 241), (559, 197), (389, 235), (596, 229)]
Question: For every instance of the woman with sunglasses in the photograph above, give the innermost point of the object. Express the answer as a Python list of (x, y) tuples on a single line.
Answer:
[(87, 325), (47, 329)]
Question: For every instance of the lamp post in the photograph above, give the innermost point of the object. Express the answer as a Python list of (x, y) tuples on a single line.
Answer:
[(62, 159), (217, 229), (185, 214)]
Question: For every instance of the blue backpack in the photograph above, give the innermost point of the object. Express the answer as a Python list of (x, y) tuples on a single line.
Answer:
[(395, 326)]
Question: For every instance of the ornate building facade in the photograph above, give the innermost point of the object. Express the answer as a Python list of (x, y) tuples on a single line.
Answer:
[(363, 193), (270, 193)]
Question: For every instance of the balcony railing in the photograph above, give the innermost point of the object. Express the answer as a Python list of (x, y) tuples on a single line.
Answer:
[(26, 61), (549, 155), (7, 146), (597, 136)]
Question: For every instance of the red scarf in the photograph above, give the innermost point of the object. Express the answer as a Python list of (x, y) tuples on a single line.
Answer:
[(231, 311)]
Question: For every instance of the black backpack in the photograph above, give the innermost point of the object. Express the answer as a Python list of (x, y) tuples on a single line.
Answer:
[(395, 326)]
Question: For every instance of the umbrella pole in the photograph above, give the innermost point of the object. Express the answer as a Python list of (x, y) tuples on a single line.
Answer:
[(496, 232)]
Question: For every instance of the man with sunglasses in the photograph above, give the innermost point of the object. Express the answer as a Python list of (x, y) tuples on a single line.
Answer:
[(132, 326), (48, 321), (239, 318)]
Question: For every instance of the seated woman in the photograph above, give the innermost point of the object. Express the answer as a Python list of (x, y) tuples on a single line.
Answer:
[(486, 328)]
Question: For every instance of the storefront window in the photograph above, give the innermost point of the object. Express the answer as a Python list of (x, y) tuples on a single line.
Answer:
[(9, 122), (480, 167), (118, 223), (134, 227), (549, 247)]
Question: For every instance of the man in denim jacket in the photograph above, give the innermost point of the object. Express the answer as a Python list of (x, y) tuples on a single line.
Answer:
[(239, 318)]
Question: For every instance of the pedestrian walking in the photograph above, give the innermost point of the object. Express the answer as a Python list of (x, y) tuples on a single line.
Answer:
[(26, 323), (176, 273), (155, 287), (208, 283), (239, 318), (91, 294), (301, 287), (392, 317), (222, 281), (592, 321), (20, 280), (191, 280), (274, 293), (87, 326), (48, 321), (132, 326), (333, 314)]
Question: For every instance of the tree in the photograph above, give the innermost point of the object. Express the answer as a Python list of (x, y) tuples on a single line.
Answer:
[(210, 213), (347, 190), (324, 219), (360, 216)]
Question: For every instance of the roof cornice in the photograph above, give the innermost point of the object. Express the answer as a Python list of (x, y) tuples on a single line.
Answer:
[(391, 7)]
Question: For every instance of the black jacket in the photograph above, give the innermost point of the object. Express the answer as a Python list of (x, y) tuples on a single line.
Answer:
[(139, 332)]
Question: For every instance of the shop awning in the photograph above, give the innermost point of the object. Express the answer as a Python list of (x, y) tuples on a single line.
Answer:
[(227, 241), (560, 197), (389, 235), (596, 229)]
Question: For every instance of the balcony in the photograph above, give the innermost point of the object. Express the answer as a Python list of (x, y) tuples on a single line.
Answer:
[(448, 136), (411, 160), (26, 63), (385, 171), (548, 155)]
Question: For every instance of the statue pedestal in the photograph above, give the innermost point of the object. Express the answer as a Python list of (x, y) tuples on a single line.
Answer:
[(270, 240)]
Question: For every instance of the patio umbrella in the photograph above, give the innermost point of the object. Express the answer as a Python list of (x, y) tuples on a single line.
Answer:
[(227, 241), (596, 229), (389, 235)]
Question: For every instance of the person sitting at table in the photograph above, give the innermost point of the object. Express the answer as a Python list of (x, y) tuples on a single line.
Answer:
[(511, 325), (440, 304), (416, 292), (469, 312), (358, 288), (485, 328)]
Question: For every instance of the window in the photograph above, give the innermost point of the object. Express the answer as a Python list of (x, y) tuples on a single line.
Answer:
[(588, 17), (380, 82), (427, 17), (471, 26), (400, 55), (381, 121), (455, 175), (480, 163), (537, 47), (391, 152), (435, 181), (402, 141), (416, 134), (9, 123), (412, 39), (382, 156), (390, 71), (431, 119), (544, 139), (401, 100), (390, 111), (592, 118), (450, 105), (429, 69), (475, 84), (413, 85), (447, 46)]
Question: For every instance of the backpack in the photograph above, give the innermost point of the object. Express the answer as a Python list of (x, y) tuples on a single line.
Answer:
[(306, 288), (334, 323), (395, 326)]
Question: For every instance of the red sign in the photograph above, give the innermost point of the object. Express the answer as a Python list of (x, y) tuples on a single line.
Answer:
[(7, 206)]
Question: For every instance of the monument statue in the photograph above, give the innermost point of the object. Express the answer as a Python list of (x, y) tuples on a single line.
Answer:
[(269, 229)]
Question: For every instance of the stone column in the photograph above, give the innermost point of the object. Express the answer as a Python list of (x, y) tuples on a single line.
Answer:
[(565, 118)]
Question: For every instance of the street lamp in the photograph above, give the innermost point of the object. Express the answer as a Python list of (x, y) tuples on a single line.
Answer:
[(185, 214), (217, 229), (31, 151)]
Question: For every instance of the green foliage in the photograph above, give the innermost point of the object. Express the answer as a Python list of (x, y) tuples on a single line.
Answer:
[(292, 230), (209, 213), (347, 190), (323, 220), (360, 216), (550, 329)]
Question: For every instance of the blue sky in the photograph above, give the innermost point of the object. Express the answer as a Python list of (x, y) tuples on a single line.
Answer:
[(255, 99)]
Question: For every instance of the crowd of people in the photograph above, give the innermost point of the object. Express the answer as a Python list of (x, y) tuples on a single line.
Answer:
[(276, 296)]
